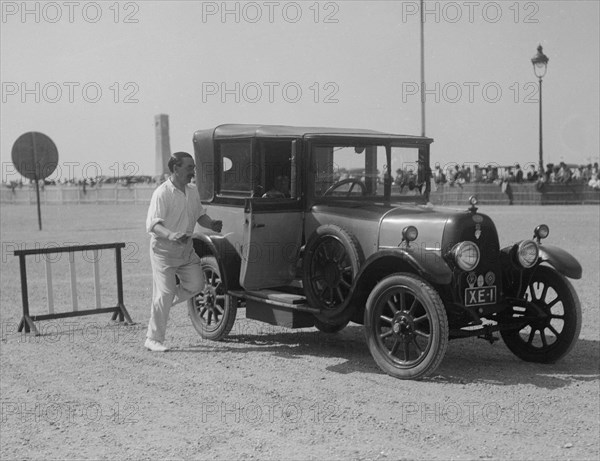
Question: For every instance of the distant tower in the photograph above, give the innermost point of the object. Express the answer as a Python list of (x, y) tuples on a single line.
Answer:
[(163, 145)]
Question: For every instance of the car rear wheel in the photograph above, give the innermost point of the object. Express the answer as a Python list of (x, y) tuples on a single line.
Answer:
[(552, 323), (406, 326), (211, 311)]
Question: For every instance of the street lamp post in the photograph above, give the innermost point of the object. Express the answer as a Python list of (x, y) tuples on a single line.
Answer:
[(540, 65)]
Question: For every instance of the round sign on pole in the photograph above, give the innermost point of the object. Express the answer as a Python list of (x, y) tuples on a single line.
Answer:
[(35, 155)]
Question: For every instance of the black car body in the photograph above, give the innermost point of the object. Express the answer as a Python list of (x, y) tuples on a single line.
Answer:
[(347, 240)]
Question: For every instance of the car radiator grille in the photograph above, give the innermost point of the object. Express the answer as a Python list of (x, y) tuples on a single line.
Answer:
[(487, 273)]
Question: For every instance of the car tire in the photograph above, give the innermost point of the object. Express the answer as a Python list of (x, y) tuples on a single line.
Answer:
[(552, 335), (406, 326), (211, 311), (332, 259)]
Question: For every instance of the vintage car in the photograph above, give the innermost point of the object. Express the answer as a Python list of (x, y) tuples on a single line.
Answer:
[(331, 248)]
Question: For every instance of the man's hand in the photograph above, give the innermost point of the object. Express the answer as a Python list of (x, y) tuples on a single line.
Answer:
[(209, 223), (161, 231), (178, 237)]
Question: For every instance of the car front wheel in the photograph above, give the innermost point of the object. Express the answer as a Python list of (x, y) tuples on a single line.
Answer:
[(406, 326), (550, 324), (211, 311)]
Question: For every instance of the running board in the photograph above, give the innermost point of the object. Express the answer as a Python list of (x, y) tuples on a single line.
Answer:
[(277, 308), (276, 298)]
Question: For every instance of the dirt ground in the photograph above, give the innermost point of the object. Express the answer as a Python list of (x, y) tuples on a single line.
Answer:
[(87, 389)]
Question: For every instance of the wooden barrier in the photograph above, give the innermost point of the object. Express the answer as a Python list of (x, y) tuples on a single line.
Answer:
[(119, 310)]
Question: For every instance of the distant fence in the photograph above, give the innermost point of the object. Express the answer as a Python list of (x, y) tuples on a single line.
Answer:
[(523, 194), (62, 194)]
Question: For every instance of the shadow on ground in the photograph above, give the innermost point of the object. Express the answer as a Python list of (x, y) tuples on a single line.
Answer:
[(466, 361)]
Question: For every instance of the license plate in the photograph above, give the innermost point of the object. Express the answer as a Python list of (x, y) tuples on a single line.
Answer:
[(480, 295)]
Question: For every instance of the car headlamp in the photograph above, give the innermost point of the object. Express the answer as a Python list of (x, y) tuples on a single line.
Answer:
[(410, 233), (473, 202), (541, 232), (466, 255), (527, 253)]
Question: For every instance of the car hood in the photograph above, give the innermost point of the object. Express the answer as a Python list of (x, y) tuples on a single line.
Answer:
[(429, 221)]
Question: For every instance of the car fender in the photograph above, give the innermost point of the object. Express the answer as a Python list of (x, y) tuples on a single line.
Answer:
[(561, 260), (427, 264), (227, 257)]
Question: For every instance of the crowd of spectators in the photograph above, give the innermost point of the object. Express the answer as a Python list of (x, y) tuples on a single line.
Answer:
[(453, 176), (563, 173), (554, 174)]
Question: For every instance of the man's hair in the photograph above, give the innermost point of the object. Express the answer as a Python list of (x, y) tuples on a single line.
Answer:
[(177, 159)]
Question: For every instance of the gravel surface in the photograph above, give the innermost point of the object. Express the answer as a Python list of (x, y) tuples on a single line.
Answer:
[(87, 389)]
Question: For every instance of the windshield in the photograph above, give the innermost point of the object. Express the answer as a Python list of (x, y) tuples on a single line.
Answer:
[(368, 171)]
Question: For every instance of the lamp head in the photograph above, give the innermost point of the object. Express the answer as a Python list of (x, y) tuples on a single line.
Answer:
[(540, 63)]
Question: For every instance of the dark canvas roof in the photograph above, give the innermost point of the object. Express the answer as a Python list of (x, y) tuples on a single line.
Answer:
[(243, 130)]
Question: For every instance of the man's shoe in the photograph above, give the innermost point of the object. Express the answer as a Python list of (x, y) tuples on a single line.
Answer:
[(155, 346)]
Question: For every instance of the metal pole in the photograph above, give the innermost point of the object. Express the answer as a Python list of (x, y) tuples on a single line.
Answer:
[(24, 295), (35, 174), (422, 69), (541, 150)]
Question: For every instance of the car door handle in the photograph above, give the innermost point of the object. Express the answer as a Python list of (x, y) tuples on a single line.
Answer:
[(255, 226)]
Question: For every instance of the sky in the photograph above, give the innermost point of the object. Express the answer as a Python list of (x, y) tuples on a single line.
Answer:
[(93, 75)]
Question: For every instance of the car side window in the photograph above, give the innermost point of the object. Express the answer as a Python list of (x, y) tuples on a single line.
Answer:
[(275, 180), (361, 171), (237, 171)]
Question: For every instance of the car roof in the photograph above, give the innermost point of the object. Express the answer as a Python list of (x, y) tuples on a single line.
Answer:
[(265, 131)]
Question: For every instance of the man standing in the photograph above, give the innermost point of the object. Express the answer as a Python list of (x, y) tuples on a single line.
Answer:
[(532, 174), (174, 210), (518, 174)]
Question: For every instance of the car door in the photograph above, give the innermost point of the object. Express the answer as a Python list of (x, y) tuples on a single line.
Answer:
[(271, 242)]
